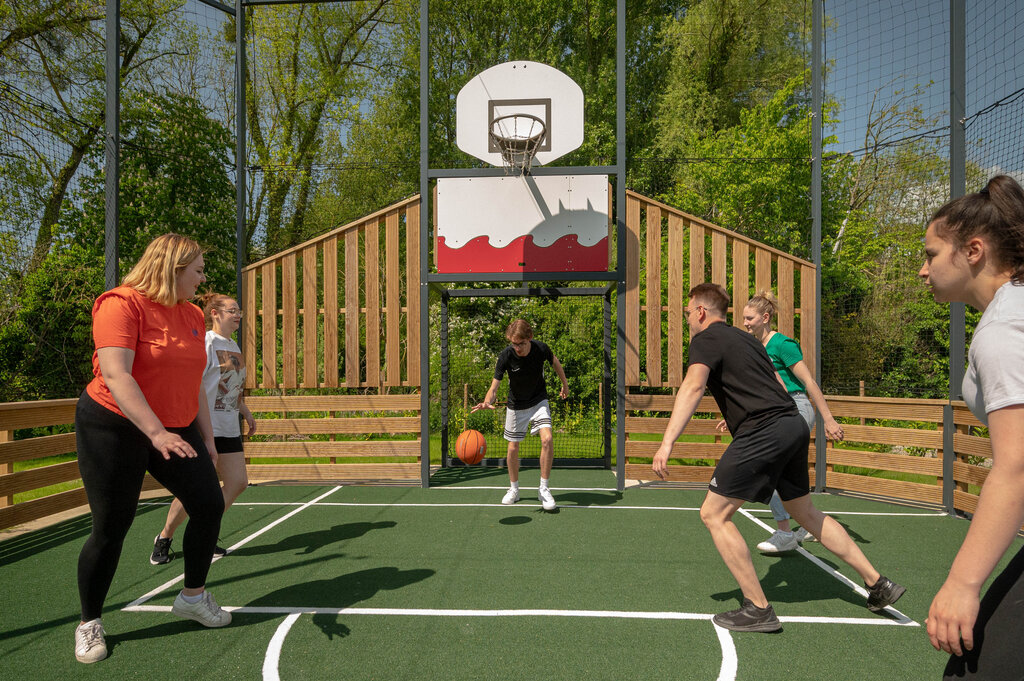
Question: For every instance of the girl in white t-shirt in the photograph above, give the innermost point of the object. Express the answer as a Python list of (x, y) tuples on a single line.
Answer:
[(223, 382), (974, 253)]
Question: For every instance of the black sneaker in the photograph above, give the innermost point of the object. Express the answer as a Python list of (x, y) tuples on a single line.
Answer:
[(219, 551), (749, 618), (885, 592), (162, 552)]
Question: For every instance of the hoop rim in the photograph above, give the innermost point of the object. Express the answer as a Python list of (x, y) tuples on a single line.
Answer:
[(518, 140)]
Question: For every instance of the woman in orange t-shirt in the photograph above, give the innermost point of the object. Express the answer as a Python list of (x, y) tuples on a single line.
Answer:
[(145, 410)]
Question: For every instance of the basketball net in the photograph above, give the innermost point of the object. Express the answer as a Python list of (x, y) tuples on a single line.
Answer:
[(518, 136)]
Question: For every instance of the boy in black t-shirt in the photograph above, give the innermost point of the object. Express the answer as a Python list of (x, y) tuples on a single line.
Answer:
[(523, 361), (768, 452)]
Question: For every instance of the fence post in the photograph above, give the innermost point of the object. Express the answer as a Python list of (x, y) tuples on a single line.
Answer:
[(6, 468)]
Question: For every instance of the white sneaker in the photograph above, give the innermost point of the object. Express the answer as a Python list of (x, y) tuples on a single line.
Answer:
[(205, 611), (547, 501), (511, 497), (90, 644), (777, 543)]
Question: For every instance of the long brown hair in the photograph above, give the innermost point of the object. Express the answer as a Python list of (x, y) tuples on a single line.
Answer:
[(154, 276), (996, 214)]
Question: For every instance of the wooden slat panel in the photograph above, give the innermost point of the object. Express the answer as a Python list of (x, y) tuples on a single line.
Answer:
[(893, 436), (348, 426), (655, 424), (15, 415), (885, 462), (973, 445), (37, 447), (371, 286), (632, 265), (740, 280), (333, 448), (636, 402), (885, 408), (249, 325), (331, 313), (653, 296), (719, 259), (784, 295), (697, 269), (352, 372), (325, 473), (333, 403), (680, 449), (762, 270), (289, 322), (963, 416), (269, 276), (808, 314), (392, 312), (35, 509), (412, 293), (899, 489), (964, 501), (972, 475), (36, 478), (676, 323), (310, 319), (675, 473)]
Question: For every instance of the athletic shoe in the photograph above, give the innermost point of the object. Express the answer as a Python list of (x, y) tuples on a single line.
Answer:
[(90, 645), (885, 592), (547, 501), (777, 543), (511, 497), (162, 552), (803, 535), (749, 618), (219, 551), (205, 611)]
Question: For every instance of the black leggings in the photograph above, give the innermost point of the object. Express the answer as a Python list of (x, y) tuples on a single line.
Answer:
[(113, 457), (998, 654)]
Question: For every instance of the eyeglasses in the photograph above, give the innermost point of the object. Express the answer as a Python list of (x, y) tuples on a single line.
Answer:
[(233, 310)]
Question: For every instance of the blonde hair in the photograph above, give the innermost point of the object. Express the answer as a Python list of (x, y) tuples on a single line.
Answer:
[(210, 301), (765, 303), (154, 276), (520, 328)]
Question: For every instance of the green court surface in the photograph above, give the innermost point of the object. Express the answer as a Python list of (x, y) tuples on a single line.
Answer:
[(384, 583)]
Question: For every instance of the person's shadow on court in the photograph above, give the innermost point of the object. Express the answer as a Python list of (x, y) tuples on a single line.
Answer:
[(308, 542), (339, 593)]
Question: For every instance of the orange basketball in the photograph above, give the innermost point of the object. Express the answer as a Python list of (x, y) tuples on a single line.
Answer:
[(471, 446)]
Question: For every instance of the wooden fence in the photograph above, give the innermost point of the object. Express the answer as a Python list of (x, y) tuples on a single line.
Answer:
[(666, 245)]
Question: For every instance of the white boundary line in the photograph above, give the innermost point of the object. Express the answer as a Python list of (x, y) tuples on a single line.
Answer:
[(730, 662), (172, 582), (272, 660), (832, 571)]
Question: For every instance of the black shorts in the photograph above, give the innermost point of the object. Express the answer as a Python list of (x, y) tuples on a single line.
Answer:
[(228, 445), (761, 460)]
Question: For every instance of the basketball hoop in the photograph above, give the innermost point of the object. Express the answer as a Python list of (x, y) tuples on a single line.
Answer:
[(518, 136)]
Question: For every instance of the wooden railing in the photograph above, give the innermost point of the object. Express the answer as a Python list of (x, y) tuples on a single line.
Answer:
[(340, 310), (663, 242)]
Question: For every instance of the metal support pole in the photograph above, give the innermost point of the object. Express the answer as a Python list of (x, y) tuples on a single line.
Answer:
[(606, 381), (112, 144), (444, 378), (957, 188), (424, 244), (817, 36), (241, 111), (620, 240)]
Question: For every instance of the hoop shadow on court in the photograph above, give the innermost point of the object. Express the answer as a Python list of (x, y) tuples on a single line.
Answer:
[(306, 543)]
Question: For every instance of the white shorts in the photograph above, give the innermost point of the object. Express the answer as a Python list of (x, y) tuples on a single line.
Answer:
[(532, 419)]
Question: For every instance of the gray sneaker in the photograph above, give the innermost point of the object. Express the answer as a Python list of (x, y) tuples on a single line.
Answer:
[(90, 644), (777, 543), (749, 617), (205, 611), (803, 535), (884, 593)]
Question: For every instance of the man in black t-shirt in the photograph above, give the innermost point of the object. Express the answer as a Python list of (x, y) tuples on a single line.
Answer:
[(768, 452), (527, 409)]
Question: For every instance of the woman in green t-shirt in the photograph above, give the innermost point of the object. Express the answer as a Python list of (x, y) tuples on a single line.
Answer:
[(758, 316)]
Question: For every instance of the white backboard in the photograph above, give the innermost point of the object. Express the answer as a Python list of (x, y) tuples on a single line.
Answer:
[(520, 87)]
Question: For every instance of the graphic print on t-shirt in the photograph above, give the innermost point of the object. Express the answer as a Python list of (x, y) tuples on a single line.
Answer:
[(229, 388)]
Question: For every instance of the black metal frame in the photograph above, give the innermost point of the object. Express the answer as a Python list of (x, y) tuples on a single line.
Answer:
[(548, 292)]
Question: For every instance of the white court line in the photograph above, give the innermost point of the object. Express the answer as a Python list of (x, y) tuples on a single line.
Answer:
[(170, 583), (272, 659), (930, 514), (730, 662), (592, 614), (830, 570)]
